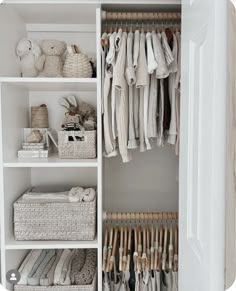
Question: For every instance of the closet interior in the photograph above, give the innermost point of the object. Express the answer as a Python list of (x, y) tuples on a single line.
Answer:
[(146, 184)]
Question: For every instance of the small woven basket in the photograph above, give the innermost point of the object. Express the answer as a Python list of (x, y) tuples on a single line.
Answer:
[(54, 220), (77, 66), (39, 116), (77, 144)]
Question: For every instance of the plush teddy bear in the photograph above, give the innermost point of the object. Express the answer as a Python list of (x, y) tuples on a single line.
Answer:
[(28, 52), (50, 64)]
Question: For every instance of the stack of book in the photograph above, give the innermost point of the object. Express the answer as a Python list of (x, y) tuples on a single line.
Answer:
[(33, 150)]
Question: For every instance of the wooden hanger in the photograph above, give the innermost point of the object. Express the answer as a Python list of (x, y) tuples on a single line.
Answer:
[(104, 261), (121, 249), (148, 267), (160, 247), (125, 249), (176, 250), (164, 255), (109, 249), (113, 250), (139, 250), (156, 244), (144, 255), (152, 248), (129, 249), (135, 249), (171, 252)]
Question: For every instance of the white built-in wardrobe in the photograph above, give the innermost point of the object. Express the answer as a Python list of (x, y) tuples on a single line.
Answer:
[(192, 184)]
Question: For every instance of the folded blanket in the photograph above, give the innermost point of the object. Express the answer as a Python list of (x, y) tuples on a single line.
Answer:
[(66, 270), (27, 265), (87, 273), (34, 277), (55, 197), (47, 276), (89, 195), (77, 263), (59, 267)]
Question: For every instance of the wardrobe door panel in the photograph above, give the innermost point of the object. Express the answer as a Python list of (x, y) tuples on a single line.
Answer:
[(202, 155)]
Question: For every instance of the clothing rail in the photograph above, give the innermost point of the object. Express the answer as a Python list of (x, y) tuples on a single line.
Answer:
[(140, 216), (140, 16)]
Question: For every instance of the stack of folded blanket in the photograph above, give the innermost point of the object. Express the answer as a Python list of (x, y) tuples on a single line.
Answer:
[(58, 267), (76, 194)]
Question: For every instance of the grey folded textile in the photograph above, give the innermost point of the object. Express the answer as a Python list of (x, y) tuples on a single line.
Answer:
[(77, 264), (47, 276), (37, 270)]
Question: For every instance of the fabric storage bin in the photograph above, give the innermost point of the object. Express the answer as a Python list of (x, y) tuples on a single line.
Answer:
[(91, 287), (77, 144), (54, 220)]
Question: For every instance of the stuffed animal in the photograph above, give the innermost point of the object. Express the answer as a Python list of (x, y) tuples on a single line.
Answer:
[(50, 64), (84, 112), (28, 52)]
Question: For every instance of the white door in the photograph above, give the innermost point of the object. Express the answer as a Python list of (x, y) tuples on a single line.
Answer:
[(202, 154)]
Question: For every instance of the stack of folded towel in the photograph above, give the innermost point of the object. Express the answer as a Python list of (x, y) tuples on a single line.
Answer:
[(58, 267), (76, 194)]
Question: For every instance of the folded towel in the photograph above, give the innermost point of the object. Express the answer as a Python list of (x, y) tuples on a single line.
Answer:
[(66, 270), (57, 196), (59, 267), (87, 273), (34, 279), (77, 264), (47, 276), (27, 265)]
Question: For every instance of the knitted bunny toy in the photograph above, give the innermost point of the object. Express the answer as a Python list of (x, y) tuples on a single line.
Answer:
[(50, 64), (28, 52), (80, 115)]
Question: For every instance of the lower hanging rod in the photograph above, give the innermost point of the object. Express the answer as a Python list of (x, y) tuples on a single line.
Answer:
[(139, 16), (140, 216)]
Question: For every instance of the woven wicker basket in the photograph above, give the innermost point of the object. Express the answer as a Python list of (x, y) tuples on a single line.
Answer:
[(85, 148), (77, 66), (39, 116), (54, 221), (91, 287)]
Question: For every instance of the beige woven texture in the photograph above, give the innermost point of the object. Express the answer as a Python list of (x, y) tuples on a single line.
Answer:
[(77, 66), (54, 221), (39, 117), (85, 149)]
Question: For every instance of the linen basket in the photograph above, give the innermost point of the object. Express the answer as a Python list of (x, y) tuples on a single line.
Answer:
[(77, 144), (91, 287), (77, 65), (54, 220)]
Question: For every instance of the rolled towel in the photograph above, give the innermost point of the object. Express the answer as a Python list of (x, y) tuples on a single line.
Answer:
[(58, 270), (66, 270), (87, 273), (88, 195), (27, 265), (47, 276), (34, 279), (77, 264), (76, 194)]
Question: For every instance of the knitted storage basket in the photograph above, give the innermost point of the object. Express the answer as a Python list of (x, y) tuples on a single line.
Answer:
[(77, 144), (91, 287), (54, 220), (39, 116), (77, 66)]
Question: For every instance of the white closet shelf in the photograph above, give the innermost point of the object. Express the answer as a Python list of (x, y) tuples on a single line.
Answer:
[(25, 245), (53, 84), (51, 162)]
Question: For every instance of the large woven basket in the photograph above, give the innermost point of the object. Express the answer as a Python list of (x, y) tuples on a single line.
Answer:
[(91, 287), (54, 221), (77, 144), (77, 66)]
